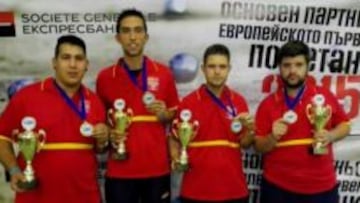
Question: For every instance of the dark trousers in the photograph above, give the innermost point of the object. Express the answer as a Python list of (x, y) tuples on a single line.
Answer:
[(270, 193), (7, 176), (186, 200), (147, 190)]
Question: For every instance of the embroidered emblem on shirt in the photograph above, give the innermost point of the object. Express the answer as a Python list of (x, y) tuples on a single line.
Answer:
[(153, 83)]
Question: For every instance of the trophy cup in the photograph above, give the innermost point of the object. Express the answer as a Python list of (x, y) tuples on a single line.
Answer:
[(318, 114), (184, 131), (120, 120), (29, 143)]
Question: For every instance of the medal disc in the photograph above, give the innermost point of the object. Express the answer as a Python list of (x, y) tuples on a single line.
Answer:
[(148, 98), (236, 126), (86, 129), (290, 117)]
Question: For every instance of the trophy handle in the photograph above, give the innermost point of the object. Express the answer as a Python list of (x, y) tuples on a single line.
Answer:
[(130, 114), (196, 126), (308, 113), (41, 137), (110, 117), (328, 110), (15, 133), (174, 126)]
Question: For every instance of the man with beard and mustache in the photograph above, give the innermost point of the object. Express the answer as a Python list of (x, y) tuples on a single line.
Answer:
[(292, 171), (215, 166), (147, 89)]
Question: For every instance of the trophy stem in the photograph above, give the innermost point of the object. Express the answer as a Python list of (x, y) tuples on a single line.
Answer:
[(121, 153), (183, 156), (121, 148), (319, 149), (29, 172), (183, 165), (30, 181)]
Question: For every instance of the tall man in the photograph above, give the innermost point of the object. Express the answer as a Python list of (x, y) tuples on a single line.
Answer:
[(72, 117), (294, 171), (148, 89), (216, 173)]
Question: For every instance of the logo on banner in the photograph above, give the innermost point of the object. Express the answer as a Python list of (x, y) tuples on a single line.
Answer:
[(7, 24)]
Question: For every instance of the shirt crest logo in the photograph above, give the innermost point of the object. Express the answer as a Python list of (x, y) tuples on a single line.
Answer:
[(153, 83)]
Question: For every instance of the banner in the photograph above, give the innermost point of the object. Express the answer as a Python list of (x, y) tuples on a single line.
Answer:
[(180, 30)]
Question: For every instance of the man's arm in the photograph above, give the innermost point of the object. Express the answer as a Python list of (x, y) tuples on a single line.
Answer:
[(8, 159), (174, 148), (101, 135), (340, 131), (267, 143), (247, 139), (163, 113), (264, 144), (336, 134), (247, 135), (7, 155)]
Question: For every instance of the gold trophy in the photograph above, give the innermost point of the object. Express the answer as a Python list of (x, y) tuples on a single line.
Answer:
[(120, 120), (318, 114), (29, 142), (184, 131)]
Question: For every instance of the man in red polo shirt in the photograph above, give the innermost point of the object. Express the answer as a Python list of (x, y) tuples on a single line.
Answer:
[(72, 117), (285, 134), (215, 171), (148, 89)]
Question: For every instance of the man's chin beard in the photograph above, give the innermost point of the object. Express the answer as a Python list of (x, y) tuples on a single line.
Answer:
[(294, 86)]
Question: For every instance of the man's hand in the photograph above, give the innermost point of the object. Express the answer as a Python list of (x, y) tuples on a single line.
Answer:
[(246, 120), (323, 137), (101, 133), (116, 137), (15, 179), (158, 108), (279, 129)]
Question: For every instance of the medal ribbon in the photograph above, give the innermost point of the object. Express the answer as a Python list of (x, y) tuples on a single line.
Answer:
[(80, 112), (292, 103), (219, 103), (133, 78)]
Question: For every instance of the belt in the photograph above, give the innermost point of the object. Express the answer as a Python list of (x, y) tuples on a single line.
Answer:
[(214, 143), (66, 146), (141, 118), (295, 142), (59, 145)]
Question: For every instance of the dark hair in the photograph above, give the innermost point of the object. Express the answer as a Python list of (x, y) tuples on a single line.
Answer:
[(127, 13), (69, 39), (216, 49), (292, 49)]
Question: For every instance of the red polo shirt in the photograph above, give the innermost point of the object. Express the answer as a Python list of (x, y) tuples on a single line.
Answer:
[(146, 142), (216, 172), (294, 168), (63, 175)]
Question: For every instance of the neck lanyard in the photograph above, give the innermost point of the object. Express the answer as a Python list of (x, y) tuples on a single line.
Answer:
[(292, 103), (133, 78), (219, 103), (81, 112)]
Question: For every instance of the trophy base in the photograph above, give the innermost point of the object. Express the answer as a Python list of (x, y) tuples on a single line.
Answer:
[(120, 157), (181, 167), (320, 150), (27, 185)]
